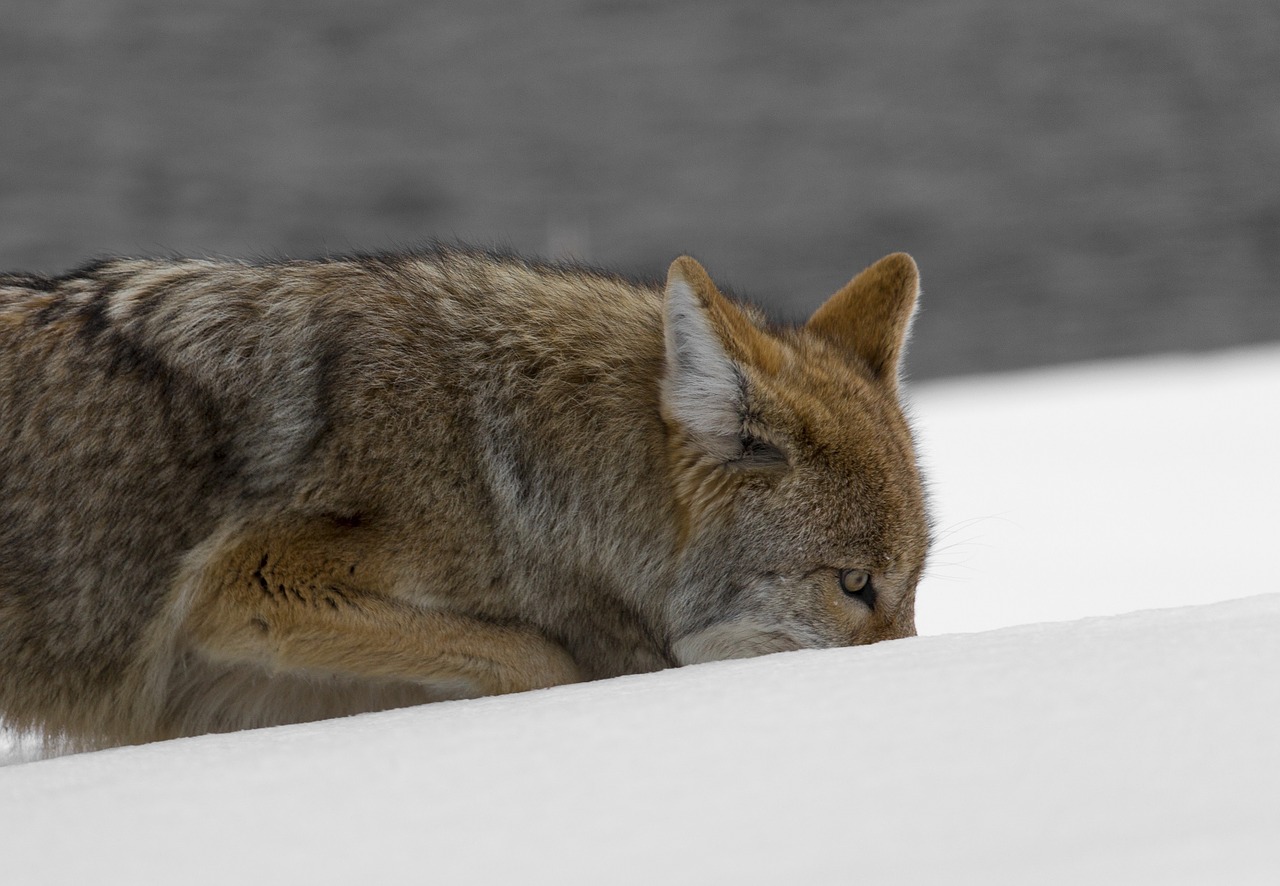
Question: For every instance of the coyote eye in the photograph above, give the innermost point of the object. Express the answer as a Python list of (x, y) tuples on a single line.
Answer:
[(856, 583)]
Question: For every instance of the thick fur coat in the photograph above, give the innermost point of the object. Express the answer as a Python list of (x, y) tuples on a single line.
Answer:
[(235, 495)]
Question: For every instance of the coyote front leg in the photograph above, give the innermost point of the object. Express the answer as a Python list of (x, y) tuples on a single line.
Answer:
[(290, 603)]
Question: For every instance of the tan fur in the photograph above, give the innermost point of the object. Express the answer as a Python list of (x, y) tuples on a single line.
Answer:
[(237, 495), (868, 314)]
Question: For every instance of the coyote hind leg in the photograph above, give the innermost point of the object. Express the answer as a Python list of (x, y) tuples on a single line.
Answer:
[(291, 603)]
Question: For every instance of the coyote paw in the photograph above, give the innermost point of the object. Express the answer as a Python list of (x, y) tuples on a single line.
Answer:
[(535, 663)]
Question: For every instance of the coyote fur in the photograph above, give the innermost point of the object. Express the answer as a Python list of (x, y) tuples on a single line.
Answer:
[(235, 495)]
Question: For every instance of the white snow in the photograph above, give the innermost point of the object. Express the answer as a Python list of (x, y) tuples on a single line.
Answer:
[(1093, 490), (1137, 748)]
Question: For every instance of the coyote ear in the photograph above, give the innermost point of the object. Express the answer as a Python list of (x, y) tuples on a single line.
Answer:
[(703, 387), (872, 314)]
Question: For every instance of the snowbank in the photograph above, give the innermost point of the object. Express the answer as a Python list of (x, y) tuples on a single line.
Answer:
[(1131, 749)]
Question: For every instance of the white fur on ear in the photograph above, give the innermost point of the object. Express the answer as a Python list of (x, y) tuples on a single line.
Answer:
[(703, 388)]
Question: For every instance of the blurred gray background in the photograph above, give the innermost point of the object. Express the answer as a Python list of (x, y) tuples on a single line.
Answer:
[(1076, 179)]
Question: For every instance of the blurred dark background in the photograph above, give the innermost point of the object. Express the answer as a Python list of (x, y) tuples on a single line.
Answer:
[(1076, 179)]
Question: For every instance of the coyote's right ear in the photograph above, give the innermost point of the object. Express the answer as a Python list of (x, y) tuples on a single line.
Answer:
[(871, 315), (709, 342)]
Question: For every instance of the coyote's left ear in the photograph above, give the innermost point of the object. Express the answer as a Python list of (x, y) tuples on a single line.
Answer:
[(872, 314)]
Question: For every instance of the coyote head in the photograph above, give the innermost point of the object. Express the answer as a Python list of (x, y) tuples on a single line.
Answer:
[(804, 521)]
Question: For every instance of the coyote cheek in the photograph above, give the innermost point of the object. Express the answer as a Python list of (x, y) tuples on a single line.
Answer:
[(734, 639)]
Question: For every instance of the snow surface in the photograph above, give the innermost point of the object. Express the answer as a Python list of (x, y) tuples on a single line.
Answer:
[(1102, 489), (1134, 749), (1138, 748)]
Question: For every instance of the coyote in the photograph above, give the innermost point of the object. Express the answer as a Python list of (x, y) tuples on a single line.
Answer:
[(235, 495)]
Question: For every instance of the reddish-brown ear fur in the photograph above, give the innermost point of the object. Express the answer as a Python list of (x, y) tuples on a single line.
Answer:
[(870, 316), (738, 335)]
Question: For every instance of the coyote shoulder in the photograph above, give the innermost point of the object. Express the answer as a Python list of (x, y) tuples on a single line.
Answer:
[(235, 495)]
